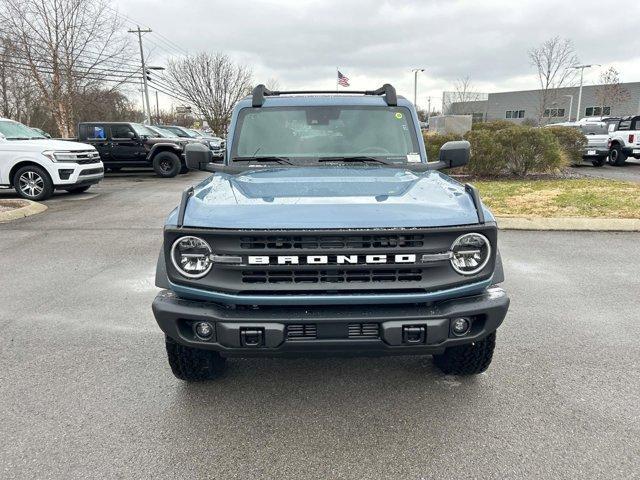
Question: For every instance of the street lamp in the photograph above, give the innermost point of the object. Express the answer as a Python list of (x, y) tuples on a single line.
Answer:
[(581, 68), (415, 85), (570, 104)]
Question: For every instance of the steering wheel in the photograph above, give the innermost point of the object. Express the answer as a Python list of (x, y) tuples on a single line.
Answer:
[(374, 150)]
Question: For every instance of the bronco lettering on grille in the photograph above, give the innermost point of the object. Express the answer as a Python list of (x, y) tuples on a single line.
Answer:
[(325, 260)]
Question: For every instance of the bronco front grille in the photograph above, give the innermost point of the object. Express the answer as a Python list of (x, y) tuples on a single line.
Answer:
[(302, 331), (365, 275), (363, 330), (332, 242)]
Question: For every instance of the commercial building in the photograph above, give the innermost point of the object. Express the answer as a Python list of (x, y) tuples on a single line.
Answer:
[(561, 104)]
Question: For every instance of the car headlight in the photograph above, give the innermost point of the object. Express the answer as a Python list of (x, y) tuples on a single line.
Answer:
[(470, 253), (59, 156), (191, 256)]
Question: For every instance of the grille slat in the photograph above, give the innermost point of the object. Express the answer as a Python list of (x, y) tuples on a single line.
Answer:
[(364, 330), (344, 242), (302, 331), (332, 276)]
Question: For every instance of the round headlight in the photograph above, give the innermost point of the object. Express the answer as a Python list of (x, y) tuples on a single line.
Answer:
[(470, 253), (191, 256)]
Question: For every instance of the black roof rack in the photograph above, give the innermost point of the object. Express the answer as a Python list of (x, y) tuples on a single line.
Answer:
[(387, 90)]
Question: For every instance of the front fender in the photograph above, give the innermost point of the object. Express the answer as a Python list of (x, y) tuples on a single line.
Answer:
[(162, 281), (164, 146)]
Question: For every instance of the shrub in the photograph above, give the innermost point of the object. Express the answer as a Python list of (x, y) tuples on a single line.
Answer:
[(487, 155), (571, 141), (492, 126), (433, 142), (528, 149)]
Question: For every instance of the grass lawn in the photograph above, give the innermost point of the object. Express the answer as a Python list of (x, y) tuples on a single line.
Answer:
[(579, 197)]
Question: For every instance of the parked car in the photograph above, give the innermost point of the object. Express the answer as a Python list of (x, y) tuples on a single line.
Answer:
[(597, 149), (35, 166), (344, 240), (215, 143), (125, 144), (624, 139)]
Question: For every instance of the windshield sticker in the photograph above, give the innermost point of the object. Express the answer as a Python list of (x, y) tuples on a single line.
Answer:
[(399, 115), (413, 157)]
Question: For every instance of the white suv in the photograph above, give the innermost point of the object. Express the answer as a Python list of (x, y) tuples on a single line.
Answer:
[(36, 166)]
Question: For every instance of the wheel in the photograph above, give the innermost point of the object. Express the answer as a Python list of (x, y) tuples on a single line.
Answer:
[(193, 364), (33, 183), (469, 359), (616, 156), (166, 164), (78, 189), (599, 162), (183, 169)]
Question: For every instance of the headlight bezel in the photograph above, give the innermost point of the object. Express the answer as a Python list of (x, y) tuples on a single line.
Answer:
[(484, 262), (58, 156), (178, 268)]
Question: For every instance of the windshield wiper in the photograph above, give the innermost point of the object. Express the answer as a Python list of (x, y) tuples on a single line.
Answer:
[(264, 159), (360, 159)]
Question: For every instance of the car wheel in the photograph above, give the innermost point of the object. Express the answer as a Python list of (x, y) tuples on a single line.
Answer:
[(166, 164), (33, 183), (469, 359), (598, 162), (78, 189), (616, 156), (193, 364)]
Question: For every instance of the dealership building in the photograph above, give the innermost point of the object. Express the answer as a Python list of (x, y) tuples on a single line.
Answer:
[(561, 106)]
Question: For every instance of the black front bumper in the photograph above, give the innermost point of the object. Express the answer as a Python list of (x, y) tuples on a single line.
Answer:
[(330, 329)]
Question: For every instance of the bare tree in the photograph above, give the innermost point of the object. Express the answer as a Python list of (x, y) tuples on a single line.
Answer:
[(464, 90), (66, 47), (610, 92), (213, 83), (553, 61)]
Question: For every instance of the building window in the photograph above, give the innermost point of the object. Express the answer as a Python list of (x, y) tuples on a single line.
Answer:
[(514, 114), (597, 111), (554, 112)]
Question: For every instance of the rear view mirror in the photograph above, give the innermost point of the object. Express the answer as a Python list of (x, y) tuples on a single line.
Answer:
[(197, 156), (454, 154)]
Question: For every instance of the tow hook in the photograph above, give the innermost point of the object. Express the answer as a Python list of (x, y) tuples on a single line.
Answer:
[(414, 334), (252, 337)]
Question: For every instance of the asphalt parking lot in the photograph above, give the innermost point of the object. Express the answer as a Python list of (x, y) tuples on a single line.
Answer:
[(629, 172), (87, 392)]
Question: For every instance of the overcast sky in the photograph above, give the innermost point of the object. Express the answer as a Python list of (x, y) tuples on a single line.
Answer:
[(300, 43)]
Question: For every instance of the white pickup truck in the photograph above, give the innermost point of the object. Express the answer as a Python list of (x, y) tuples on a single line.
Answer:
[(595, 131), (35, 166), (624, 139)]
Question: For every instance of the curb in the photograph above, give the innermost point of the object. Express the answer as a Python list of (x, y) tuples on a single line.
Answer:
[(33, 208), (570, 224)]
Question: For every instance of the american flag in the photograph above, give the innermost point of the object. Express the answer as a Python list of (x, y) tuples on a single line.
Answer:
[(342, 80)]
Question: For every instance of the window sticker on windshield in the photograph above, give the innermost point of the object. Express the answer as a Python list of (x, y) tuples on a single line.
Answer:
[(413, 157), (399, 115)]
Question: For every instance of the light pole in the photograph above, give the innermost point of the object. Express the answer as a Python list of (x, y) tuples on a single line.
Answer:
[(581, 68), (570, 105), (415, 85)]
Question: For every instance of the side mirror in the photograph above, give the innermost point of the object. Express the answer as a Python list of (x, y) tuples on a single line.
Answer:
[(131, 135), (454, 154), (197, 156)]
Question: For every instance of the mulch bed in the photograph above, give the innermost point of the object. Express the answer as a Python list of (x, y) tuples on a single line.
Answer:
[(6, 205)]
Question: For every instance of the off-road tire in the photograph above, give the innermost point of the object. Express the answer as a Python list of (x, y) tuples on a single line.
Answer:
[(43, 185), (78, 189), (193, 364), (616, 156), (166, 164), (599, 162), (469, 359)]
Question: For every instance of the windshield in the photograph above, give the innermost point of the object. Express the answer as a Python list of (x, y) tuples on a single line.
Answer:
[(178, 132), (194, 133), (142, 130), (308, 134), (17, 131)]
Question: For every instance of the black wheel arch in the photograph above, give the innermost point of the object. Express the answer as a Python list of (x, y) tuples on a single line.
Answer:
[(25, 163)]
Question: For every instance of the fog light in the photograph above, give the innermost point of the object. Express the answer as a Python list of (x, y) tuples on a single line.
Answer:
[(460, 326), (204, 330)]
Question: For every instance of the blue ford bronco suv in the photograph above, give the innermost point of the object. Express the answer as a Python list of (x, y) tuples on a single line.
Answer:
[(326, 231)]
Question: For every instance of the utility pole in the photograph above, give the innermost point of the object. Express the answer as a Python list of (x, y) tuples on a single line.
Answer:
[(415, 85), (157, 109), (428, 109), (146, 105), (581, 68)]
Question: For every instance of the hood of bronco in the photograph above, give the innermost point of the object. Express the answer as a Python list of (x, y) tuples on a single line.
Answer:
[(329, 198)]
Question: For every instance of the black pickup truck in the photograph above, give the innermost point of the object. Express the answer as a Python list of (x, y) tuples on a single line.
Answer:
[(124, 144)]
